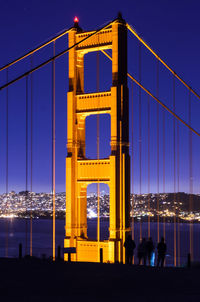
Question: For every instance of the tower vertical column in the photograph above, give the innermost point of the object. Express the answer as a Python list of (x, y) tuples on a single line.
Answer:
[(120, 162), (75, 135)]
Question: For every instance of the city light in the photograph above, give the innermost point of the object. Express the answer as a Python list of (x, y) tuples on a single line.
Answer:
[(21, 204), (91, 214)]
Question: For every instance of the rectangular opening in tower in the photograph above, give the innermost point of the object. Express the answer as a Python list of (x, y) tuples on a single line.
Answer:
[(104, 136), (97, 72), (104, 203)]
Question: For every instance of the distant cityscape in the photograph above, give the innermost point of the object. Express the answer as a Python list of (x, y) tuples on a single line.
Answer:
[(184, 206)]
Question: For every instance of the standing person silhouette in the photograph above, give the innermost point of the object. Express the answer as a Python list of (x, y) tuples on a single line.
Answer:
[(142, 251), (150, 249), (129, 245), (161, 247)]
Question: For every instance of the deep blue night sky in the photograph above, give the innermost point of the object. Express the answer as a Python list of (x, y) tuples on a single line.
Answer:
[(171, 28)]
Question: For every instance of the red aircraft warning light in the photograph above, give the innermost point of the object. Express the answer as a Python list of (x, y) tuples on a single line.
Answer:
[(76, 20)]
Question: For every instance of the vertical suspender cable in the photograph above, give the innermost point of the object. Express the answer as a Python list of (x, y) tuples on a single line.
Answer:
[(190, 180), (174, 155), (31, 163), (132, 163), (98, 200), (122, 212), (178, 196), (26, 195), (53, 152), (140, 136), (164, 207), (158, 168), (149, 197), (6, 250)]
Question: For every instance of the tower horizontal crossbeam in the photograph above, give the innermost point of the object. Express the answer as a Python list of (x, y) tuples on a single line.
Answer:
[(93, 103)]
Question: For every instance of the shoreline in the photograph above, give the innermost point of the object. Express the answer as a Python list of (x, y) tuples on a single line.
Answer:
[(103, 218)]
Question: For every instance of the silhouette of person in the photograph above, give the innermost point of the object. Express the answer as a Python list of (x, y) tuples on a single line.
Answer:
[(129, 245), (142, 252), (161, 247), (150, 249)]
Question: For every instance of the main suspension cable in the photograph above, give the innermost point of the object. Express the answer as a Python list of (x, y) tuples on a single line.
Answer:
[(158, 58), (164, 106), (157, 100), (55, 57), (30, 53)]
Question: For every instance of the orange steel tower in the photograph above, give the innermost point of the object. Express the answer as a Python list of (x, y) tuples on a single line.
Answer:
[(115, 170)]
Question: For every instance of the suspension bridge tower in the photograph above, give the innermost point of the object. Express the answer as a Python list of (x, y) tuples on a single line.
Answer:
[(115, 170)]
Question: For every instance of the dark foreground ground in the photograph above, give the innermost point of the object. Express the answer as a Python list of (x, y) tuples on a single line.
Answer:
[(37, 280)]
